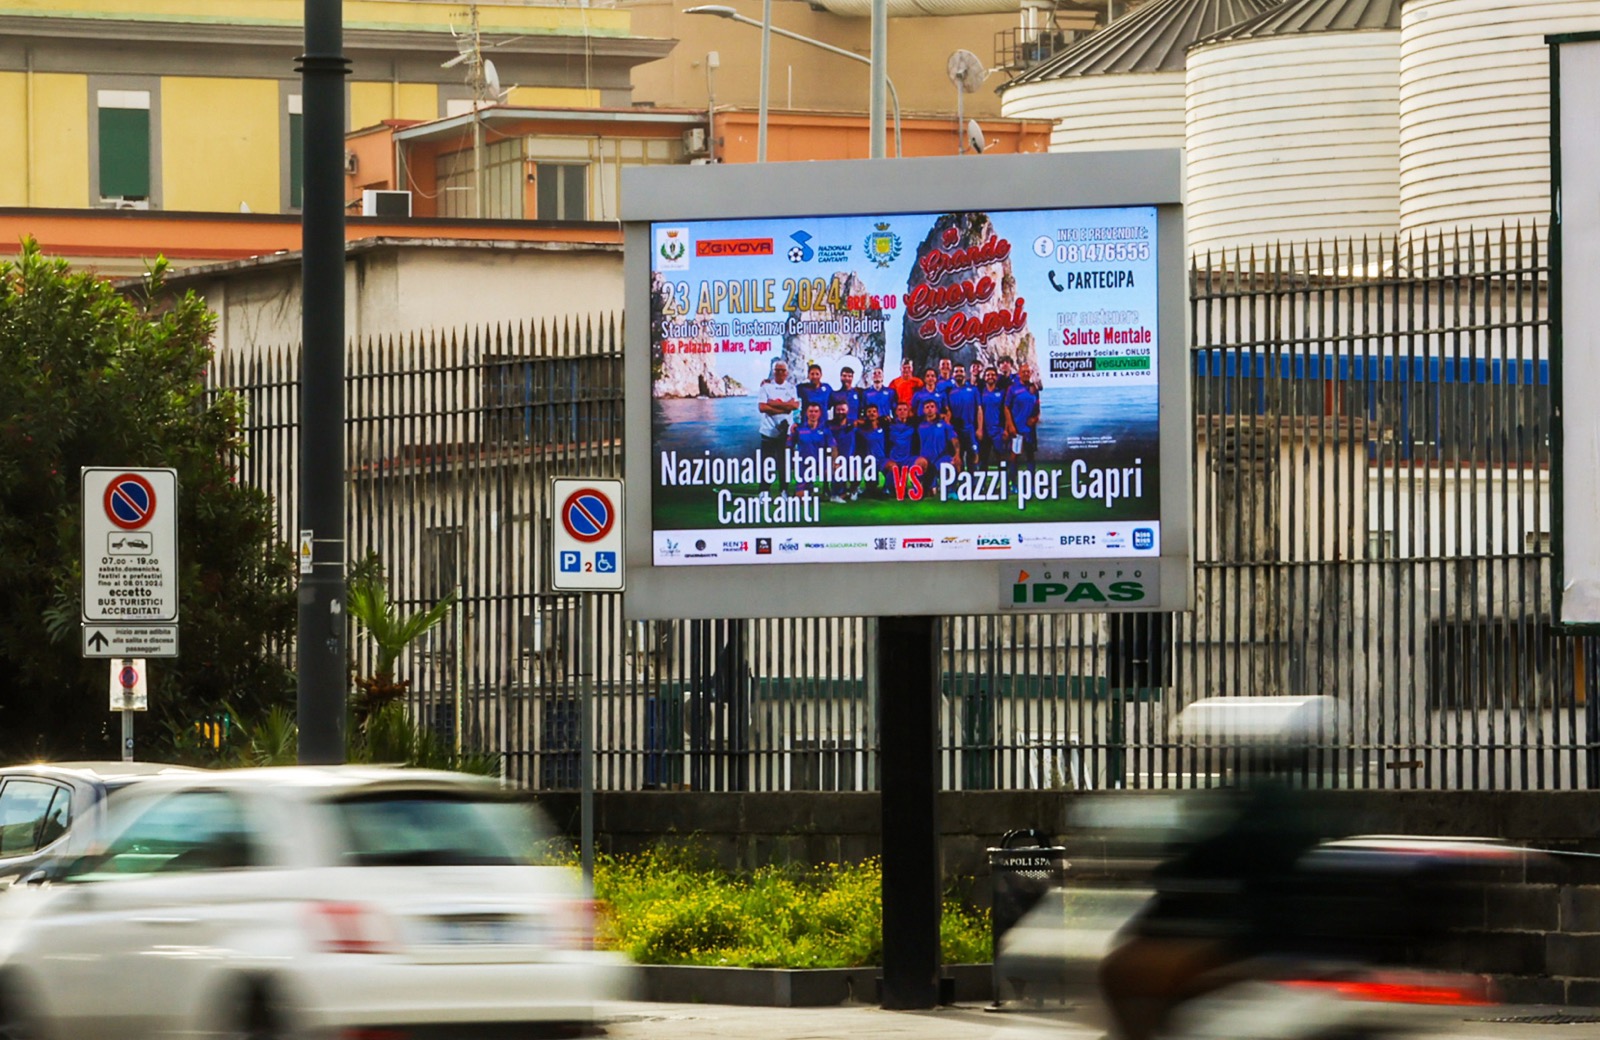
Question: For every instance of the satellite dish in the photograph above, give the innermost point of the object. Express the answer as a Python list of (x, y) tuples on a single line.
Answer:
[(975, 136), (966, 71), (491, 78)]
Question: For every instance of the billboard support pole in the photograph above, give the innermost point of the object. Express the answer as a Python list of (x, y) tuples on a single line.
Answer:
[(908, 724)]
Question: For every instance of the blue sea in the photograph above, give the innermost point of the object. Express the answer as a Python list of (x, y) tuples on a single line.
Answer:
[(1070, 422)]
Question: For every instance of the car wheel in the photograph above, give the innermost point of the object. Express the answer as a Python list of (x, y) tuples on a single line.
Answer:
[(255, 1016), (14, 1021)]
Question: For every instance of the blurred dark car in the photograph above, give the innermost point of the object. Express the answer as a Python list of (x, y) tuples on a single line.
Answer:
[(40, 804)]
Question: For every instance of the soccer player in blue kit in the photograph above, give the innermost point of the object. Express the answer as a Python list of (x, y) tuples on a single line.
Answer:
[(848, 393), (962, 401), (1022, 418), (843, 429), (900, 444), (929, 392), (882, 396), (811, 440), (815, 392), (936, 443), (870, 444), (993, 443)]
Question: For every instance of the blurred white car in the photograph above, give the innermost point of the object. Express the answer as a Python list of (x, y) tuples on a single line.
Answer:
[(349, 903)]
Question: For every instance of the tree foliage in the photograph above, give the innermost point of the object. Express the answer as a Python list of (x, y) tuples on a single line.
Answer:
[(89, 377)]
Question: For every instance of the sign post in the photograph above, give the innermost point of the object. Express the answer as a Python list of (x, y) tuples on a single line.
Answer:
[(130, 562), (129, 693), (586, 556)]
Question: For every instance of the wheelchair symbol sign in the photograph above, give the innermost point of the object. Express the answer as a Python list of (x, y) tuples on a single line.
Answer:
[(586, 541)]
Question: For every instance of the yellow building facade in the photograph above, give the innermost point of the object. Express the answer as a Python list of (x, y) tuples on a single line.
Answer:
[(194, 105)]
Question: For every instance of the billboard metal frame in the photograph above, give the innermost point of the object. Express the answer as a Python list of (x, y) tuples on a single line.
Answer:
[(946, 184), (1574, 244)]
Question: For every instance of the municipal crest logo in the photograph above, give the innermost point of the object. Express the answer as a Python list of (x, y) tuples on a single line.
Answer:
[(882, 246), (672, 249)]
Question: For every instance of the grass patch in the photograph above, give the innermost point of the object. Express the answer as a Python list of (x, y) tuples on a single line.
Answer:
[(666, 907)]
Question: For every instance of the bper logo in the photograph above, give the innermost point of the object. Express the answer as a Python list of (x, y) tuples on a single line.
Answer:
[(733, 247)]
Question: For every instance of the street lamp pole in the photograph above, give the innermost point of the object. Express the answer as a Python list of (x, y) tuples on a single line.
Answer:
[(766, 79), (880, 76), (719, 11)]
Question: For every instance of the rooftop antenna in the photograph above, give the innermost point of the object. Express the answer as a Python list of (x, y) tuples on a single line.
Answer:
[(966, 71), (484, 79)]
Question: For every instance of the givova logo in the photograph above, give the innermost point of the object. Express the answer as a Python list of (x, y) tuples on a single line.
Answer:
[(1080, 588)]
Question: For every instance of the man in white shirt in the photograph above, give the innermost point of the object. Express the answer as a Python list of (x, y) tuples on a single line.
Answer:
[(778, 400)]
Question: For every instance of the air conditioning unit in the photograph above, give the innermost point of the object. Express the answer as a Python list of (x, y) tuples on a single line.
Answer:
[(655, 639), (393, 204), (694, 140), (118, 202), (351, 163)]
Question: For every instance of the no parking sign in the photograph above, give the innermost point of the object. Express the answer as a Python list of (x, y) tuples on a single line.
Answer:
[(130, 552), (586, 539)]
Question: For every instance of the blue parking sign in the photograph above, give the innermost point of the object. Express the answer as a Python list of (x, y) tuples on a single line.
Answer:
[(605, 562), (571, 562)]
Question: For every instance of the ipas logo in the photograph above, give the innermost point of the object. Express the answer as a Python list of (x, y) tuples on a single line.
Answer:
[(994, 543), (672, 249), (1079, 588)]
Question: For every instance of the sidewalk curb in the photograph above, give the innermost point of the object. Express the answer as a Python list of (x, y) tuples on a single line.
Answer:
[(793, 987)]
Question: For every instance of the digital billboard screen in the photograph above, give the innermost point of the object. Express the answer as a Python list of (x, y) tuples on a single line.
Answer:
[(905, 387)]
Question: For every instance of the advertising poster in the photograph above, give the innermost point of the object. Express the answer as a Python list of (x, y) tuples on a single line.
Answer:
[(905, 387)]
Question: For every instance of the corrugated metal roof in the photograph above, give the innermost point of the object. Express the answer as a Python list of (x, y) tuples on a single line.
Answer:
[(1152, 39), (1314, 16)]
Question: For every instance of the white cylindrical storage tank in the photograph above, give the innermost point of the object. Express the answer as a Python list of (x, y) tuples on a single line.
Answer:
[(1294, 127), (1123, 86), (1475, 109)]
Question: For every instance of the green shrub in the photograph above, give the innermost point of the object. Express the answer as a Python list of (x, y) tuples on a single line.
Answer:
[(668, 906)]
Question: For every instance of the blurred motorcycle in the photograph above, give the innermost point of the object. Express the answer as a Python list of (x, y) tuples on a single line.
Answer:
[(1254, 925)]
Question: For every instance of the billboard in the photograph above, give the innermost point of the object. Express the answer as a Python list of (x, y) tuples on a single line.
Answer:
[(884, 387), (904, 386)]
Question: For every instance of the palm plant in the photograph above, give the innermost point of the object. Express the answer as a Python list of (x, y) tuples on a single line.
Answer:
[(367, 600)]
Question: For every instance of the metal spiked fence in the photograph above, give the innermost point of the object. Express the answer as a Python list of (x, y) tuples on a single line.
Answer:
[(1371, 480)]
